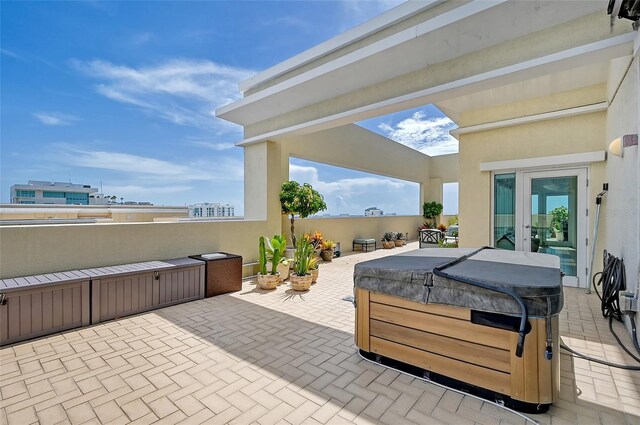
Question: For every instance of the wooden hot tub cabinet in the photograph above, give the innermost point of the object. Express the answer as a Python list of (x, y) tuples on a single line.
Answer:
[(442, 339)]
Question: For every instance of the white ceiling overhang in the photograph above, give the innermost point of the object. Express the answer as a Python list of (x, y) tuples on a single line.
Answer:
[(409, 50)]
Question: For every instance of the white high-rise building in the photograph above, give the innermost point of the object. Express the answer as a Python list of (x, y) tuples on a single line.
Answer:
[(211, 210), (373, 211)]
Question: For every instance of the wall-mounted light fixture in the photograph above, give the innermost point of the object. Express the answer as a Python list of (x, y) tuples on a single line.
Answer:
[(617, 146)]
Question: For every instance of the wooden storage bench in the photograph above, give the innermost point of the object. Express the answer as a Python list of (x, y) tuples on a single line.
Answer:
[(120, 291), (40, 305), (34, 306)]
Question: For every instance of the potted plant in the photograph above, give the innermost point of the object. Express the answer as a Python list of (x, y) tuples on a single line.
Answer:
[(327, 250), (559, 219), (388, 240), (316, 241), (283, 268), (301, 278), (431, 211), (398, 239), (314, 269), (266, 280), (301, 200)]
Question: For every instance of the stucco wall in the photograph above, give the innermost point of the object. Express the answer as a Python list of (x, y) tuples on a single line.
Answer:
[(621, 207), (360, 149), (346, 229), (115, 213), (583, 133), (26, 250)]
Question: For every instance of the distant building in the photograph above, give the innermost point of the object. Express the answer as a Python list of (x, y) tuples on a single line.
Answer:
[(43, 192), (137, 203), (373, 211), (99, 199), (211, 210)]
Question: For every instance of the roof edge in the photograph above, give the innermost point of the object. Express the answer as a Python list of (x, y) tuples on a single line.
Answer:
[(378, 23)]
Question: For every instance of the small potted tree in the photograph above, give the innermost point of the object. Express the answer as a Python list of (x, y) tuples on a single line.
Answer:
[(301, 200), (431, 211), (266, 280), (399, 239), (301, 278), (327, 250), (388, 240)]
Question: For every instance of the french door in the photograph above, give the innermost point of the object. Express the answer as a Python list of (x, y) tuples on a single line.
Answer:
[(546, 212)]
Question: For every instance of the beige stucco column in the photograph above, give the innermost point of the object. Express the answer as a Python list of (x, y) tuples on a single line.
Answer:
[(265, 168)]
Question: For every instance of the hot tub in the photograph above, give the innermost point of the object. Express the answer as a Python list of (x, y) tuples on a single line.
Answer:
[(482, 319)]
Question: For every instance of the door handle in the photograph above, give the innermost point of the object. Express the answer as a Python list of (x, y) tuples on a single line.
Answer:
[(527, 226)]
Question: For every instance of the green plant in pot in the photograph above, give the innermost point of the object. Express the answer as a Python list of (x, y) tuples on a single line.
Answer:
[(327, 250), (301, 278), (559, 219), (399, 239), (301, 200), (388, 240), (314, 268), (266, 280), (271, 254), (431, 211)]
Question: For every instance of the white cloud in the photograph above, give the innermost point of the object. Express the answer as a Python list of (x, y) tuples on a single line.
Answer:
[(152, 170), (353, 195), (133, 191), (185, 92), (216, 146), (9, 53), (140, 39), (55, 118), (427, 135)]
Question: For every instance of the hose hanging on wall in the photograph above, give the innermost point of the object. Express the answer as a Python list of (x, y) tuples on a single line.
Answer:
[(611, 280)]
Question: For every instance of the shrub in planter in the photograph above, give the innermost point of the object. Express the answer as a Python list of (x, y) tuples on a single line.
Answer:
[(388, 240), (431, 211)]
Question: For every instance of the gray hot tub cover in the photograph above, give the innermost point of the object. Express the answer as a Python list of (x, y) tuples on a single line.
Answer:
[(535, 277)]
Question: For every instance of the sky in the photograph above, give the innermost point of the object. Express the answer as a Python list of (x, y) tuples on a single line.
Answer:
[(121, 96)]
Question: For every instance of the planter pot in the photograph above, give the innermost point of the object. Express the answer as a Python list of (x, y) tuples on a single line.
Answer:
[(398, 242), (283, 270), (268, 281), (388, 244), (301, 283), (559, 235), (289, 252), (317, 252), (314, 275), (327, 255)]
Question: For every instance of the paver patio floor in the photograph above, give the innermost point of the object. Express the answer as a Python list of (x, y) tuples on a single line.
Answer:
[(279, 357)]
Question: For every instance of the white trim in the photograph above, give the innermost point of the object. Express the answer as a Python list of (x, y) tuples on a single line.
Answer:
[(393, 40), (587, 109), (545, 161), (554, 58), (379, 23), (636, 43)]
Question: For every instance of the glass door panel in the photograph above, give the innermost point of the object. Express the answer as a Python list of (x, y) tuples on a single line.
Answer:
[(554, 219), (504, 211)]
